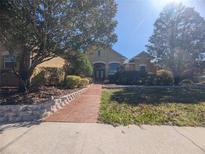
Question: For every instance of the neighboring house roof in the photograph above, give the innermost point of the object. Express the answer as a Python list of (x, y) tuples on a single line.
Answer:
[(142, 54)]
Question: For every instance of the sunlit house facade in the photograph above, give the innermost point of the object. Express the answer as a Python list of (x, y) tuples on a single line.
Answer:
[(107, 62)]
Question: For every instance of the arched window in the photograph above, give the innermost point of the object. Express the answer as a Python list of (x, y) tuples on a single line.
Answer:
[(113, 68)]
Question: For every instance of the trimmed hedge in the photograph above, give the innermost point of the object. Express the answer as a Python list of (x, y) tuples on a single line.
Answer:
[(48, 76), (73, 81), (128, 78), (90, 80), (84, 82), (38, 78), (163, 77)]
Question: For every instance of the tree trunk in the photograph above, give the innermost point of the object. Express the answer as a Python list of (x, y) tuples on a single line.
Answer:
[(24, 82), (24, 72)]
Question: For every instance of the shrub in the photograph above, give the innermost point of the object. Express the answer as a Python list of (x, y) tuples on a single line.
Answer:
[(186, 82), (72, 81), (84, 82), (78, 64), (38, 79), (129, 78), (54, 76), (48, 76), (112, 78), (90, 80), (151, 79), (165, 77)]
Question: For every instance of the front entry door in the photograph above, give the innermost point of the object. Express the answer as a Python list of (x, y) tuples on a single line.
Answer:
[(99, 72), (99, 75)]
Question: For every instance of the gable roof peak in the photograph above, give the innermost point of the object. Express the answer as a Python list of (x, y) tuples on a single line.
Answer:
[(142, 54), (118, 53)]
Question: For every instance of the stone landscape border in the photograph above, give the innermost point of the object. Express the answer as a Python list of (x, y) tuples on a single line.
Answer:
[(22, 113)]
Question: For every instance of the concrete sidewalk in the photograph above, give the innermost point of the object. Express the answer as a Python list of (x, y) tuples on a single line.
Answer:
[(70, 138)]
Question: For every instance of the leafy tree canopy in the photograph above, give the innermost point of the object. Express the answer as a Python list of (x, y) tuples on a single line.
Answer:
[(178, 38), (43, 29)]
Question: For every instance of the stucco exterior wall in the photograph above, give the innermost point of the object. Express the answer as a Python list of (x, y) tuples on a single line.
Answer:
[(142, 59), (129, 67), (107, 56), (150, 67)]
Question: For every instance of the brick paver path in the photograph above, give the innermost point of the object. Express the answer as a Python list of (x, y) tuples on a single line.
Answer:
[(83, 109)]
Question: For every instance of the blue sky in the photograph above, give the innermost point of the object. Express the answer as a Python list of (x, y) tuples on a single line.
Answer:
[(135, 22)]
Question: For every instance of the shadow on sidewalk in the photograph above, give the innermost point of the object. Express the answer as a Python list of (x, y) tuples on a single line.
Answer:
[(9, 126)]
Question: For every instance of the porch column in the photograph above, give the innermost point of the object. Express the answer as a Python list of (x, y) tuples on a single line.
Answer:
[(106, 70)]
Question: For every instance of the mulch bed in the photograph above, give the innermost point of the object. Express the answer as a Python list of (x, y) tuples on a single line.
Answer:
[(35, 96)]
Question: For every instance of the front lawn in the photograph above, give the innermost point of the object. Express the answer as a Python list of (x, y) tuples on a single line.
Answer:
[(167, 106)]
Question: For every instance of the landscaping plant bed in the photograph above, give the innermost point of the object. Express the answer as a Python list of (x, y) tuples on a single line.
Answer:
[(35, 96), (155, 106)]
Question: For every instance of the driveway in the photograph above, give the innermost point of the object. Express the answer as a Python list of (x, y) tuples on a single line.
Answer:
[(93, 138)]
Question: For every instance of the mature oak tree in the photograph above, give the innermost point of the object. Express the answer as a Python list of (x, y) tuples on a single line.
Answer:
[(43, 29), (178, 39)]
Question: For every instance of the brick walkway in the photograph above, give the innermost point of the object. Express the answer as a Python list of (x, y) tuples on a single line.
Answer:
[(83, 109)]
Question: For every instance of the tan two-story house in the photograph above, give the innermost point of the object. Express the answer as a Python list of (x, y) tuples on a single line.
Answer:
[(108, 61)]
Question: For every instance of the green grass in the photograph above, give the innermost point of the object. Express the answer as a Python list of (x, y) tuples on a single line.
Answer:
[(167, 106)]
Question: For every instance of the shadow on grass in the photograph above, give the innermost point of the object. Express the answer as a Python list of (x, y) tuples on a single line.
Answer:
[(156, 95)]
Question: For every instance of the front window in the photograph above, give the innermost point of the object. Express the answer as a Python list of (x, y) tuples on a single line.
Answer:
[(142, 68), (9, 61), (113, 68)]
